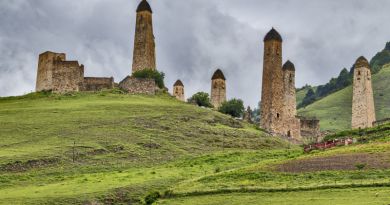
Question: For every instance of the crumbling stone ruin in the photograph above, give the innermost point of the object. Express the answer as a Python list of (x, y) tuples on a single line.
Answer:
[(310, 129), (57, 74), (218, 89), (278, 99), (363, 108), (134, 85), (178, 90), (144, 56)]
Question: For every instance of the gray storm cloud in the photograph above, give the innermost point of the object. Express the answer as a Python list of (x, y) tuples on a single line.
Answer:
[(194, 37)]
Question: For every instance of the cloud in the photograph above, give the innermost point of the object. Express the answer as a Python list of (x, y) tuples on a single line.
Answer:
[(194, 38)]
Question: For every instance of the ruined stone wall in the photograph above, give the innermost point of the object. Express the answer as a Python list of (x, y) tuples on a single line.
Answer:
[(178, 92), (218, 92), (138, 86), (272, 99), (67, 76), (97, 84), (144, 56), (45, 70), (363, 108), (310, 129)]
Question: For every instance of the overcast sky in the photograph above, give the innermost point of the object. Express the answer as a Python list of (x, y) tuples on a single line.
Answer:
[(193, 39)]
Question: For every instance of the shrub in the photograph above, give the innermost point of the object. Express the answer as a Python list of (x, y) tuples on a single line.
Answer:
[(152, 74), (360, 166), (201, 99), (234, 107), (152, 197)]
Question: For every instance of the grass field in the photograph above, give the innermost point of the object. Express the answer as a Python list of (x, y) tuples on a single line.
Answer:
[(111, 148), (76, 147), (365, 196), (335, 110)]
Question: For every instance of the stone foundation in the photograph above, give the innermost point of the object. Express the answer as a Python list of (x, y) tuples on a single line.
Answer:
[(134, 85)]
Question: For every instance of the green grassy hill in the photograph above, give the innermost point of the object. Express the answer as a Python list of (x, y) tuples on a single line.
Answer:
[(110, 147), (349, 175), (335, 110)]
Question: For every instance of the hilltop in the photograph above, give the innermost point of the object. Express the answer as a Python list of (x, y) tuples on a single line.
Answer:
[(335, 110), (109, 146)]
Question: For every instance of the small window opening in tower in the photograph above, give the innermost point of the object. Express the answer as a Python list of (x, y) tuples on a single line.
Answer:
[(290, 79), (277, 115), (289, 134), (358, 72)]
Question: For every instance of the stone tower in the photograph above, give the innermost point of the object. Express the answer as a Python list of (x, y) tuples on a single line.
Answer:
[(278, 102), (291, 122), (58, 75), (272, 96), (289, 88), (144, 56), (178, 90), (363, 108), (45, 70), (218, 89)]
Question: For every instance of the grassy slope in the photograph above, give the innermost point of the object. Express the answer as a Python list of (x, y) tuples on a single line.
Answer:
[(262, 181), (193, 149), (366, 196), (124, 146), (334, 111), (302, 93)]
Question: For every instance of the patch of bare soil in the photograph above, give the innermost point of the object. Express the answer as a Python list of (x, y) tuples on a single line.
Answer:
[(339, 162), (19, 166)]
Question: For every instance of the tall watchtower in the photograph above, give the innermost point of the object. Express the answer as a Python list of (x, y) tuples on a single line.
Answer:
[(144, 56), (218, 89), (272, 96), (290, 110), (178, 90), (363, 108)]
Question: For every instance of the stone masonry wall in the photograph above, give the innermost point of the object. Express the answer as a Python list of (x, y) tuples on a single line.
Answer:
[(178, 92), (138, 86), (363, 108), (96, 84), (144, 56), (67, 76), (310, 129), (45, 69), (218, 92)]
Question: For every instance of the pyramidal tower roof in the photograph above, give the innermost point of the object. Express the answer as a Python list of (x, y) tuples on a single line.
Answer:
[(273, 35), (144, 6), (218, 75), (289, 66), (178, 83), (362, 62)]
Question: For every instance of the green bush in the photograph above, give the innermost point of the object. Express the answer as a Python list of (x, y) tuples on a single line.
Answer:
[(360, 166), (152, 74), (234, 107), (201, 99), (152, 197)]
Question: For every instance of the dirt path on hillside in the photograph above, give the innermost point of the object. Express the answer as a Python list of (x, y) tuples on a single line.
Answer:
[(340, 162)]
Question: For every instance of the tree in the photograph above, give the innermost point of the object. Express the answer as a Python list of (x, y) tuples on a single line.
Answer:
[(309, 98), (233, 107), (152, 74), (201, 99)]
